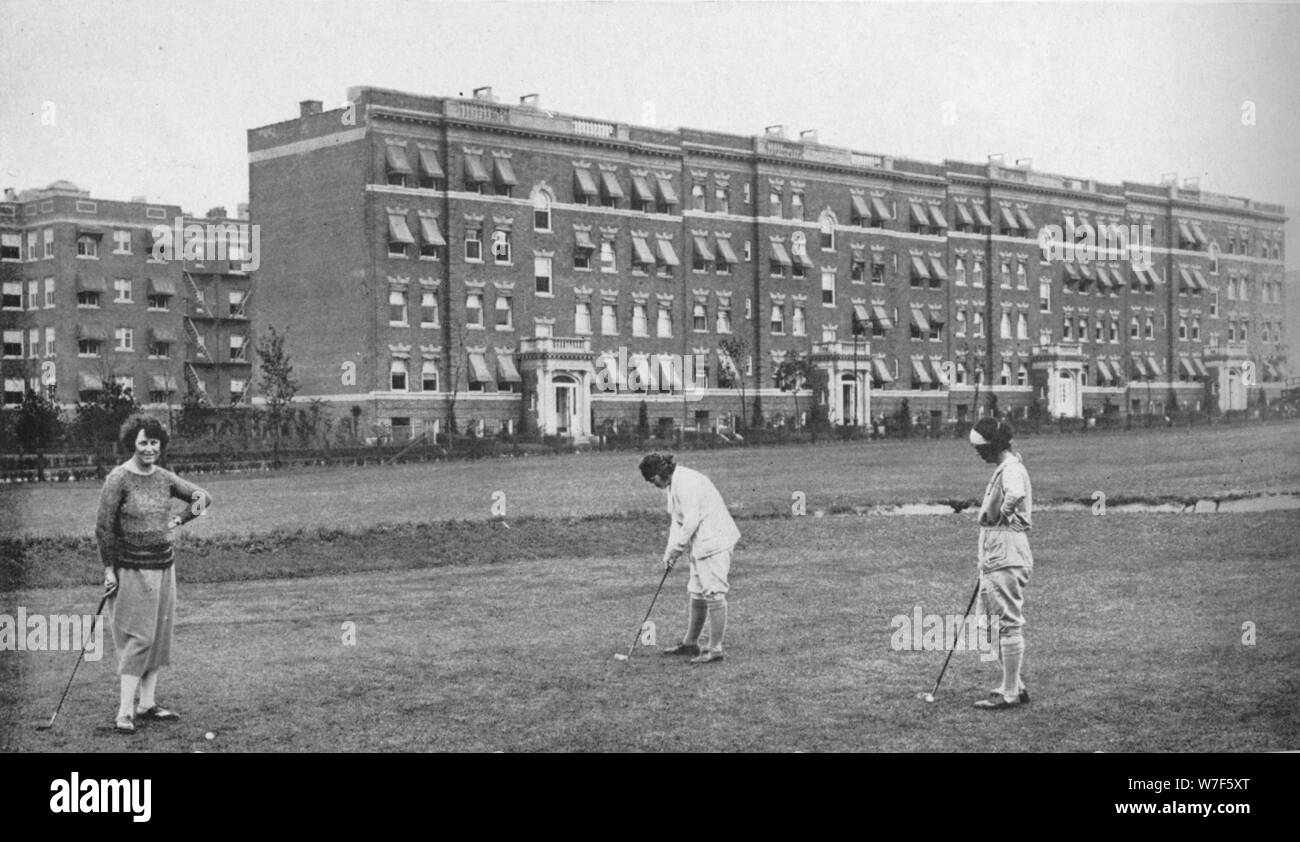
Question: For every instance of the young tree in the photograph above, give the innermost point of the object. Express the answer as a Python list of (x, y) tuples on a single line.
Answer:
[(277, 384), (793, 374), (643, 421), (98, 421), (734, 350), (38, 425), (904, 418)]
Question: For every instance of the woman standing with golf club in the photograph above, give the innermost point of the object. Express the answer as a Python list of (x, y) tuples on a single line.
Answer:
[(1005, 561), (136, 530)]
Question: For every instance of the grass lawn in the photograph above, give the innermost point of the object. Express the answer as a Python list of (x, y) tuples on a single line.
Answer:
[(1146, 465), (1134, 644)]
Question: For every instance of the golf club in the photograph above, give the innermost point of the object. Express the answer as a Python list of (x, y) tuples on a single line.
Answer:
[(620, 656), (108, 591), (929, 697)]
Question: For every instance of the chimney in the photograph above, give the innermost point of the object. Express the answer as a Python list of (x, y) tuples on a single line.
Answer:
[(241, 210), (1169, 178), (308, 107), (1025, 163), (10, 195), (777, 131), (484, 93), (808, 136), (1192, 184), (997, 158), (529, 100)]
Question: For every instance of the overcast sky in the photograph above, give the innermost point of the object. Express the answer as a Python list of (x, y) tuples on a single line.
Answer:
[(154, 98)]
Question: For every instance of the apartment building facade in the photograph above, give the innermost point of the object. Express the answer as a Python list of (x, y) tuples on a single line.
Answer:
[(535, 268)]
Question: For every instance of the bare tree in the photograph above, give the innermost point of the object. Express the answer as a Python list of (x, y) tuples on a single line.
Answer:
[(734, 351), (277, 384)]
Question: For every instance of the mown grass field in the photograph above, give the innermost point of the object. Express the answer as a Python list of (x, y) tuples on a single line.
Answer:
[(1144, 465), (1135, 644), (471, 636)]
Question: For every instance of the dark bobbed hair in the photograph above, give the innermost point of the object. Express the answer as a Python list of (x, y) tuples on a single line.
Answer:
[(657, 465), (996, 432), (152, 427)]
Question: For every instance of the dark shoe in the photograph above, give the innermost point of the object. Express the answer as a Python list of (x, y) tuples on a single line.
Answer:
[(1024, 696), (682, 649), (124, 725), (157, 714), (708, 656), (996, 701)]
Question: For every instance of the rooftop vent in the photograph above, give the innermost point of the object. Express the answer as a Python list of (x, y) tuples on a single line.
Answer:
[(308, 107), (808, 136), (529, 100), (484, 93), (777, 131)]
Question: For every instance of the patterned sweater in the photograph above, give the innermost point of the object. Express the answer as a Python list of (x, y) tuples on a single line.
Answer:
[(132, 527)]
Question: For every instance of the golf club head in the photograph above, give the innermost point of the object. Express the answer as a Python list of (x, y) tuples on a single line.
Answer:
[(925, 697)]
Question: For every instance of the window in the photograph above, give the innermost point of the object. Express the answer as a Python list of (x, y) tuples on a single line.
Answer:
[(1182, 328), (87, 246), (582, 254), (11, 247), (778, 319), (88, 347), (1243, 332), (1005, 275), (159, 350), (125, 337), (428, 308), (799, 268), (697, 197), (858, 270), (721, 199), (33, 295), (122, 291), (501, 246), (397, 375), (1149, 332), (724, 316), (542, 275), (977, 274), (1067, 329), (397, 307), (474, 245), (474, 309), (13, 295), (639, 325), (1044, 296), (977, 324), (1004, 326), (608, 257), (1022, 325), (429, 376), (48, 240), (828, 288), (774, 204), (87, 299), (609, 318), (31, 244), (749, 250), (49, 342), (960, 327), (828, 232), (796, 206), (505, 313), (699, 318), (665, 326), (1134, 329), (431, 240), (1005, 379), (799, 323), (1196, 330), (236, 390), (1232, 331), (13, 342), (748, 193), (541, 212), (582, 317), (877, 271), (1114, 330), (237, 345), (158, 302), (543, 329), (121, 242), (959, 272), (1082, 329), (34, 342), (1099, 331), (726, 257), (1022, 277)]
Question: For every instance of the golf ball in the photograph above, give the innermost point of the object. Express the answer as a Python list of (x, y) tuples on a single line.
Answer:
[(209, 736), (620, 657)]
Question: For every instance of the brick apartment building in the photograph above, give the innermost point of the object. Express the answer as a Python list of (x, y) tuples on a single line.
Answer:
[(86, 301), (421, 250)]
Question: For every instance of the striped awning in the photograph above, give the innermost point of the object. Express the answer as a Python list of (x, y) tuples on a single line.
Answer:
[(1025, 222), (1185, 365), (478, 369), (963, 215), (919, 215), (609, 182), (666, 192), (88, 382), (163, 334), (1009, 218), (91, 283), (1201, 282), (584, 184), (641, 189), (398, 230), (1138, 366), (919, 321), (919, 374), (641, 249), (506, 368), (878, 208), (936, 370), (1103, 276), (779, 255), (1153, 362), (728, 255), (667, 254), (429, 231), (474, 170), (880, 317), (98, 332), (980, 215), (1199, 234), (161, 286), (429, 163), (881, 371), (1199, 365), (919, 269), (1185, 232), (582, 240), (936, 215), (702, 250), (936, 269), (860, 208), (1103, 370)]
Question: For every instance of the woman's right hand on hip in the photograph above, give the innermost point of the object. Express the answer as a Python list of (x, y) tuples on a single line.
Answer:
[(110, 579)]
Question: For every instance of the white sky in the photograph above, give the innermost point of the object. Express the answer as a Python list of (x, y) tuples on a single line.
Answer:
[(155, 98)]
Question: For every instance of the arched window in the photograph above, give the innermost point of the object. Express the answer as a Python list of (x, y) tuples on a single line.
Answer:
[(541, 211), (828, 231)]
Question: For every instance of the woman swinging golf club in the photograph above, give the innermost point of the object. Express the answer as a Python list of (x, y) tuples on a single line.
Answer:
[(703, 529), (1005, 561), (135, 530)]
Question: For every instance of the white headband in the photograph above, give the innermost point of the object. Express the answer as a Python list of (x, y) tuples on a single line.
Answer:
[(976, 439)]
